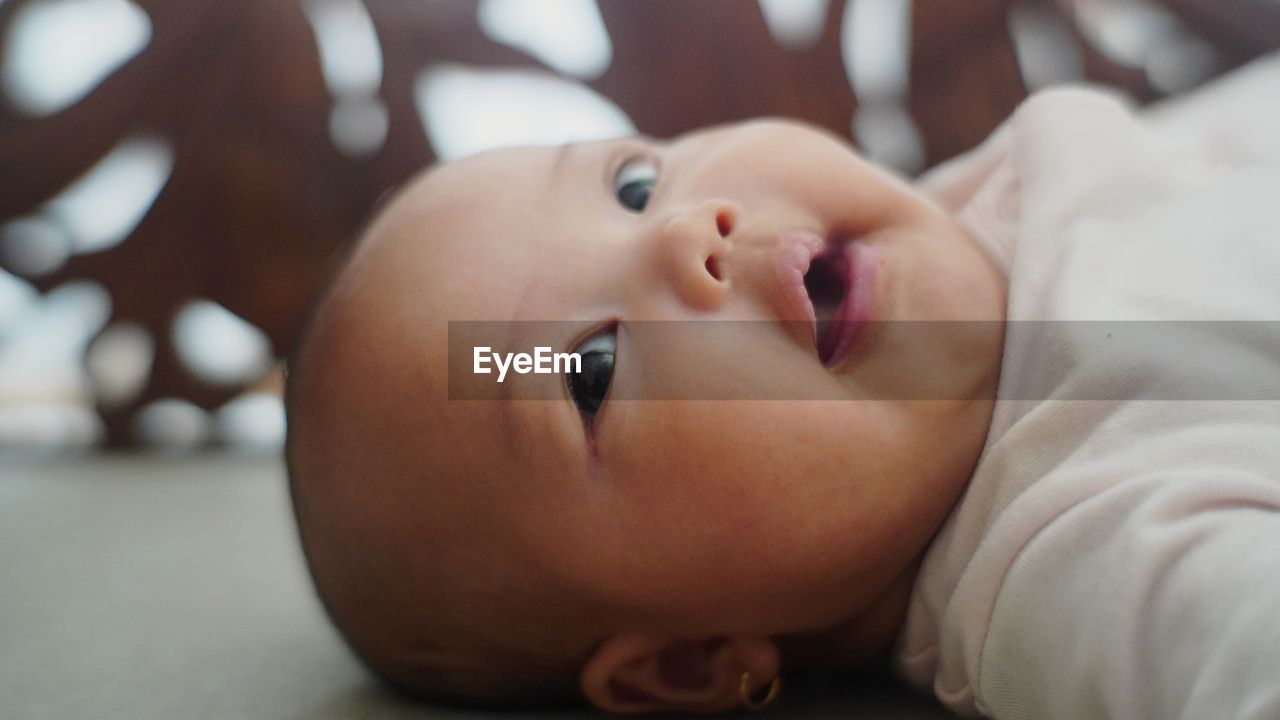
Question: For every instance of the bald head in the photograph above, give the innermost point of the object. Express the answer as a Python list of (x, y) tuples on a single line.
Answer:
[(389, 485)]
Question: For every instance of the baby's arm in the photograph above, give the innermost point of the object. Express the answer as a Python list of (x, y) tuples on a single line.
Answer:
[(1158, 598)]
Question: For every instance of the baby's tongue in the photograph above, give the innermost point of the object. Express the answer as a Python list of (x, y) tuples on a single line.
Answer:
[(825, 308), (826, 290)]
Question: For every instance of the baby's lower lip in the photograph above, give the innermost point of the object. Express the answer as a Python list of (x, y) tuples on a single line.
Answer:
[(838, 338)]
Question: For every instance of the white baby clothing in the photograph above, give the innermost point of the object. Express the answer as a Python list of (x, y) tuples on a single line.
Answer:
[(1117, 551)]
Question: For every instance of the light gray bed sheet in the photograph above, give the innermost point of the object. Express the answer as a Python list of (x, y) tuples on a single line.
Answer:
[(148, 587)]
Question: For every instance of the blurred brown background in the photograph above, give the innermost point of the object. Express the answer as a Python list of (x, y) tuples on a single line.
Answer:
[(178, 176)]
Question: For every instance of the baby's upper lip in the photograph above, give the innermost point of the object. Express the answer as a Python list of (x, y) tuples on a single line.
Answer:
[(797, 249)]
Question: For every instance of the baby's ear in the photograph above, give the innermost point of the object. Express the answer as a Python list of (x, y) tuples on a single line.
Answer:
[(645, 673)]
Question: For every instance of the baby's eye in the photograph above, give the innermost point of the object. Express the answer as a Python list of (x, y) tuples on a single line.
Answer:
[(589, 387), (634, 183)]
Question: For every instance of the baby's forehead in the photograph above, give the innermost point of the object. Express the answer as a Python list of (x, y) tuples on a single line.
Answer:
[(451, 240), (479, 177), (453, 200)]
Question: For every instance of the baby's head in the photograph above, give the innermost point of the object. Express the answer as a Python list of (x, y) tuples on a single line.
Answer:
[(644, 553)]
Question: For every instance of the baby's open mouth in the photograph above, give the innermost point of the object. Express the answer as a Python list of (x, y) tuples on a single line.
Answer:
[(827, 285), (841, 285)]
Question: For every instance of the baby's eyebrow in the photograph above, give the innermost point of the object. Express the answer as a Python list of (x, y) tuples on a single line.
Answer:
[(562, 158)]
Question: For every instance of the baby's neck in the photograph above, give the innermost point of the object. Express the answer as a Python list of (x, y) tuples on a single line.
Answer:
[(863, 640)]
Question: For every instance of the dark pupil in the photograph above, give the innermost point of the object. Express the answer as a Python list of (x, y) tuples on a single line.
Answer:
[(589, 386), (635, 194)]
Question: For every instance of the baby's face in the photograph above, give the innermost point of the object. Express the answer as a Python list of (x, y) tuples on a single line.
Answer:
[(704, 516)]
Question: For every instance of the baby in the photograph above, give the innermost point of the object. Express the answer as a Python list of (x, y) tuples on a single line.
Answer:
[(680, 554)]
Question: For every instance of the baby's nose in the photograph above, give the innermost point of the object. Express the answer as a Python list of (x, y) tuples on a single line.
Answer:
[(695, 248)]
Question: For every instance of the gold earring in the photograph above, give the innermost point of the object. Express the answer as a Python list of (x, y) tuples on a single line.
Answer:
[(744, 692)]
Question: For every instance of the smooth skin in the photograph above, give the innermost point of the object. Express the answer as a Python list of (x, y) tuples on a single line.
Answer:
[(697, 539)]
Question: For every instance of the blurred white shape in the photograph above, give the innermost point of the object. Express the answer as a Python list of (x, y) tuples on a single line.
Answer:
[(875, 39), (1180, 63), (567, 35), (465, 111), (17, 298), (254, 422), (95, 212), (172, 425), (351, 60), (1047, 54), (105, 204), (119, 362), (887, 135), (358, 125), (350, 55), (794, 23), (49, 427), (34, 246), (1124, 30), (42, 356), (57, 51), (217, 346)]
